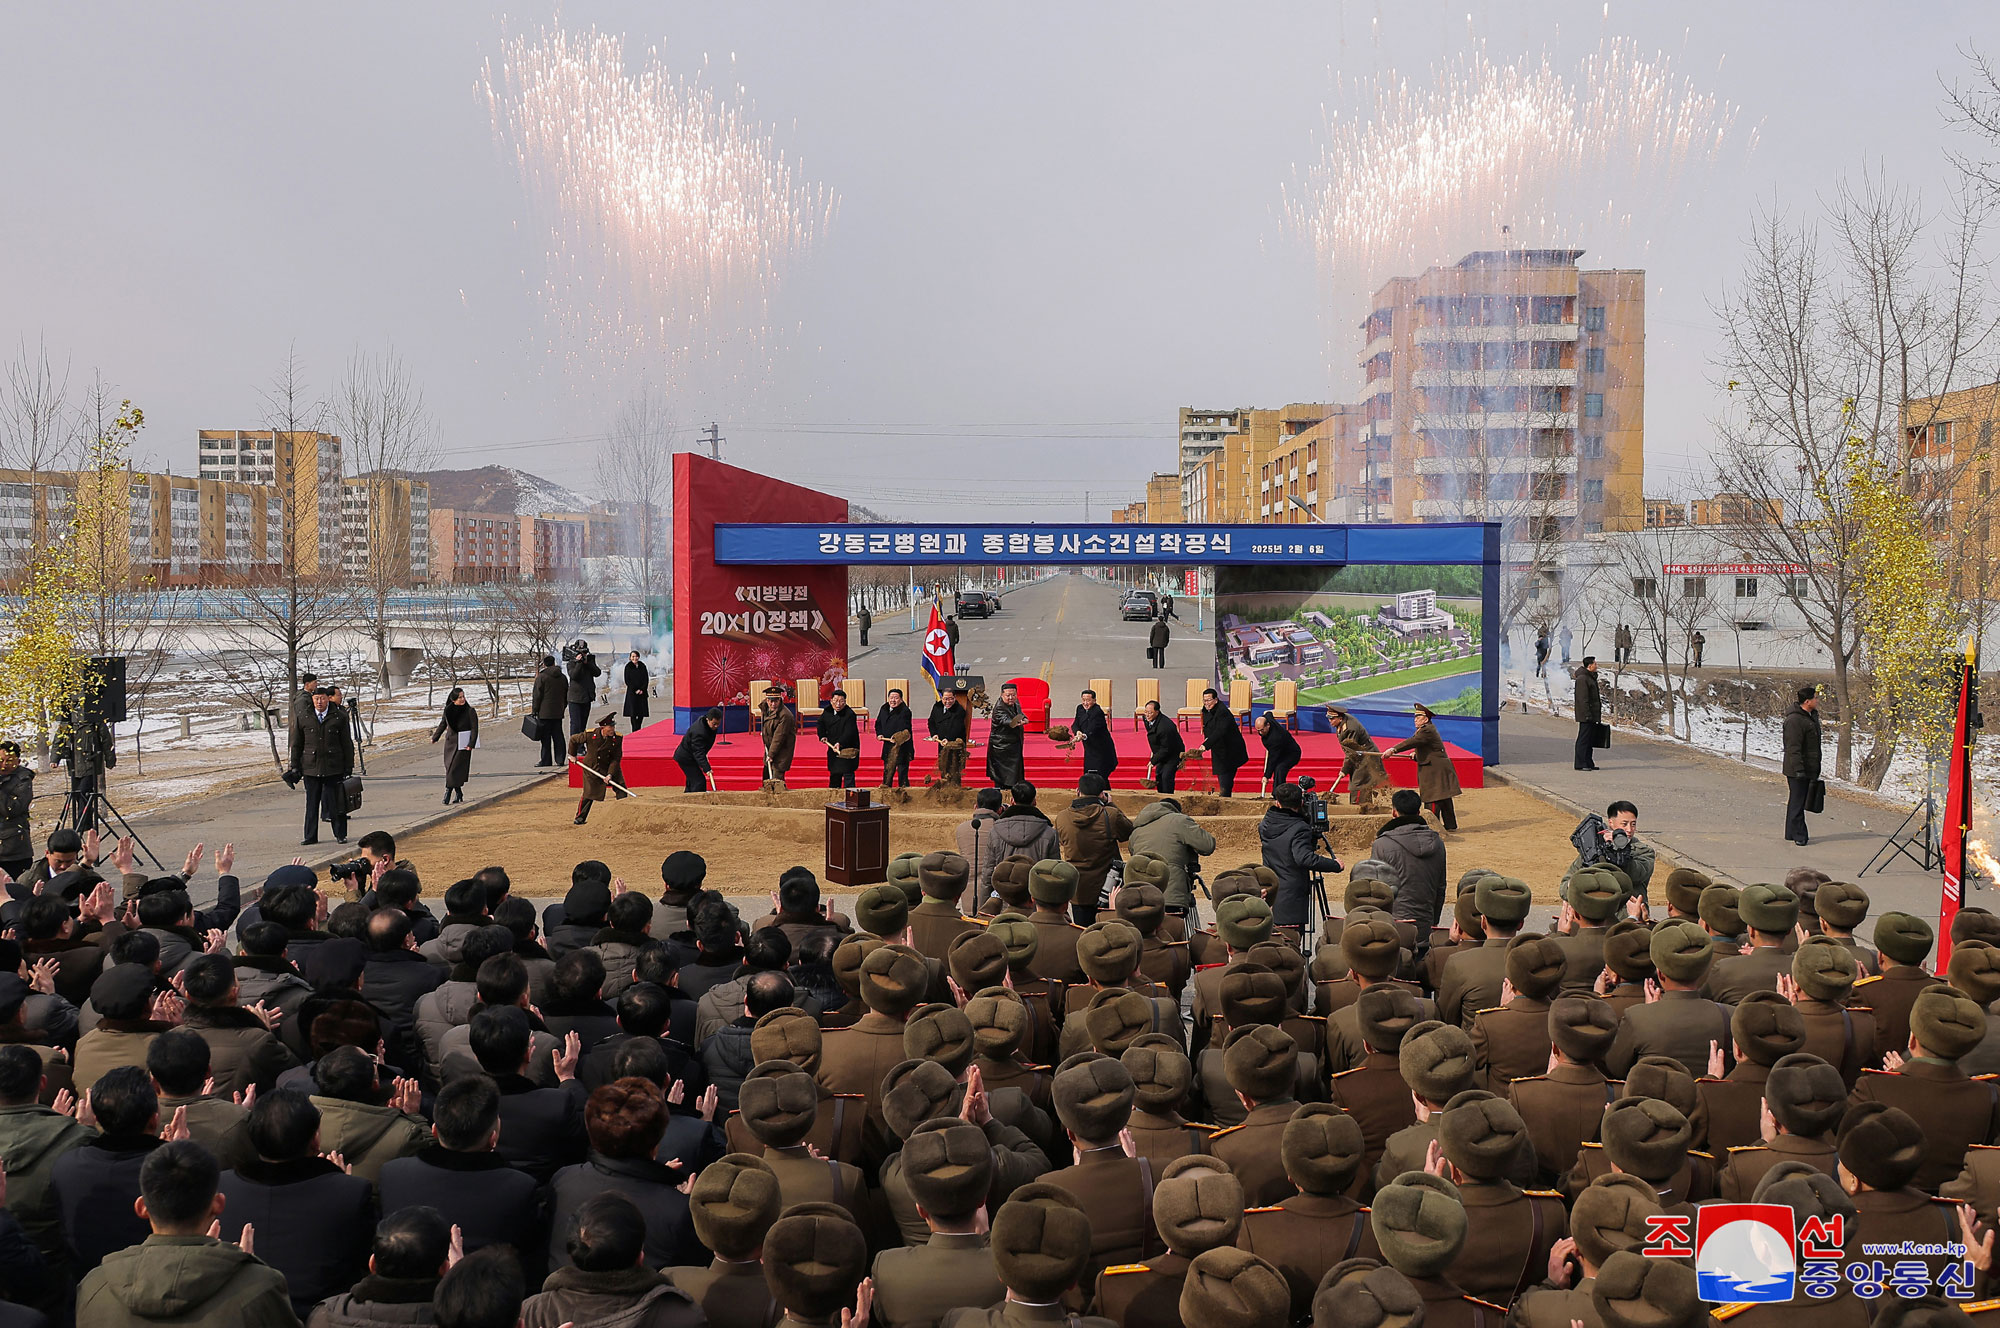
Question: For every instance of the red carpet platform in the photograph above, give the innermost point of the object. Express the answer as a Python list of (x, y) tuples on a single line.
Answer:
[(738, 761)]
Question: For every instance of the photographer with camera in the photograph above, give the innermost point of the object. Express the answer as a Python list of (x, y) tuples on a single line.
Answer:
[(1612, 840), (84, 745), (1290, 838), (17, 799), (581, 668), (323, 756)]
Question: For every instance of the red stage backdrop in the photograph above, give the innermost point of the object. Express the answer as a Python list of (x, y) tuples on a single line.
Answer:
[(736, 624)]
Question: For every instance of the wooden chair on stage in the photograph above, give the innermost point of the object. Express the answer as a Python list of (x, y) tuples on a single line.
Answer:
[(808, 695), (1239, 701), (857, 700), (1285, 703), (1102, 686), (1192, 710), (1146, 689)]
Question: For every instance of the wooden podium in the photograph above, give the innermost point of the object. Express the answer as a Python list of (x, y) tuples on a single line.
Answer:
[(857, 840)]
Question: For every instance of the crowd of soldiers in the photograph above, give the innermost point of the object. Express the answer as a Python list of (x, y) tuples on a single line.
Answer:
[(948, 1110)]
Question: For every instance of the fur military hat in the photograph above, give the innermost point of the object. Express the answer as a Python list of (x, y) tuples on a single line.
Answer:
[(1973, 923), (1385, 1013), (1052, 881), (1243, 921), (1231, 1288), (1880, 1145), (1141, 903), (1419, 1223), (1093, 1097), (903, 872), (1766, 1027), (1681, 950), (1371, 947), (1684, 887), (847, 960), (1108, 951), (789, 1034), (1371, 869), (732, 1201), (1594, 894), (1946, 1022), (1018, 937), (1903, 937), (941, 1033), (1633, 1291), (948, 1165), (1010, 880), (1468, 881), (999, 1020), (1664, 1078), (1975, 970), (893, 980), (1805, 883), (1323, 1148), (1285, 961), (1197, 1204), (1252, 994), (1824, 968), (1367, 892), (1228, 884), (1610, 1215), (778, 1103), (1719, 910), (882, 910), (1465, 912), (1261, 1062), (943, 874), (1806, 1095), (1366, 1293), (916, 1091), (1504, 899), (1844, 905), (1114, 1017), (1645, 1136), (1768, 908), (814, 1258), (976, 959), (1535, 966), (1040, 1242), (1437, 1061), (1266, 878), (1161, 1072), (1628, 950), (1582, 1027), (1480, 1134), (1808, 1192), (1148, 869)]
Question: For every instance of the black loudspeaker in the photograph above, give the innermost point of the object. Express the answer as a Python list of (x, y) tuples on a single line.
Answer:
[(104, 693)]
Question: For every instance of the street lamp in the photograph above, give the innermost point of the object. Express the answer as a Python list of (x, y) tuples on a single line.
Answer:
[(1293, 500)]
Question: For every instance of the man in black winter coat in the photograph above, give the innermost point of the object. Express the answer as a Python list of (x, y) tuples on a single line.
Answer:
[(1281, 750), (726, 1055), (1802, 744), (582, 689), (93, 1186), (1222, 740), (397, 976), (462, 1176), (691, 755), (626, 1122), (1093, 731), (541, 1129), (1589, 706), (550, 695), (313, 1221), (1291, 849), (322, 755)]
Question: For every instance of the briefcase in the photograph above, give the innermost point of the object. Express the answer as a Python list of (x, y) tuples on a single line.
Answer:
[(1600, 736), (350, 789), (531, 728), (1816, 797)]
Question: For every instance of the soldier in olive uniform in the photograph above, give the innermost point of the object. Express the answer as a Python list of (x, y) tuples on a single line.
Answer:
[(1372, 949), (1684, 887), (1162, 1076), (1610, 1216), (1437, 1064), (791, 1035), (1472, 978), (1843, 906), (814, 1260), (1262, 1065), (1769, 912), (1373, 1092), (1094, 1096), (733, 1202), (1365, 1293), (1010, 887), (1228, 1287), (1465, 933), (1251, 995), (1592, 901), (1810, 1194), (1143, 904), (1838, 1031), (1052, 885), (1728, 1107), (1420, 1224), (1954, 1111), (1628, 964), (1904, 942), (1563, 1107), (1307, 1233), (1509, 1231), (1108, 952), (936, 922), (1020, 941), (854, 1059), (1511, 1041), (1648, 1138), (1197, 1206), (948, 1166), (1720, 919), (1882, 1156), (1682, 1022), (1633, 1290), (999, 1020), (1041, 1243), (1805, 1099), (778, 1103), (943, 1034), (1241, 922), (1975, 970)]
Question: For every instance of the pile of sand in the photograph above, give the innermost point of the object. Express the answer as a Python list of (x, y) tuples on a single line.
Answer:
[(750, 838)]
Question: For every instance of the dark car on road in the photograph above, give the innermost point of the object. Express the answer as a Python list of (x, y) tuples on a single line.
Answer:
[(977, 604), (1139, 606)]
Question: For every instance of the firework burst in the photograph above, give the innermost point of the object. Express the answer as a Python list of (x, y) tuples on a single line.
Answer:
[(669, 217), (1428, 173)]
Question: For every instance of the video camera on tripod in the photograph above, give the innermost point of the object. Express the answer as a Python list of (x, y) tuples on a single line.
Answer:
[(1315, 805)]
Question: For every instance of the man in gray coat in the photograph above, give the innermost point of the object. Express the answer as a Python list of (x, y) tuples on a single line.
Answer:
[(1802, 740), (1164, 831), (1415, 853), (1589, 713)]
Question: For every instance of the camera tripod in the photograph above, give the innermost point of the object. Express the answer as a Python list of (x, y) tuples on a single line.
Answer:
[(1316, 902), (89, 806)]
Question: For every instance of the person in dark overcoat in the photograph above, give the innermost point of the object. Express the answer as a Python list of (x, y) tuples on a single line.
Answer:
[(841, 732), (692, 753), (582, 688), (459, 718), (322, 754), (1222, 740), (779, 728), (1437, 779), (1589, 707), (17, 796), (547, 703), (1802, 753), (1156, 643), (1005, 766), (896, 727), (1164, 746), (638, 681), (1281, 750), (1093, 730)]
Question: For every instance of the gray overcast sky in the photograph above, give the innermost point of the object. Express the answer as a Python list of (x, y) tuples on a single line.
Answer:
[(1054, 214)]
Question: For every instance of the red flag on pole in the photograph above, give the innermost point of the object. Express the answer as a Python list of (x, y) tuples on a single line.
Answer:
[(1957, 806), (938, 664)]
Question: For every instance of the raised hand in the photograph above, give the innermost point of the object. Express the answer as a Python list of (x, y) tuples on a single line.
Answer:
[(1714, 1059), (1555, 1059), (99, 904), (338, 1160), (1636, 907), (1507, 992), (457, 1248), (676, 1093), (42, 977), (167, 1008), (1434, 1159), (247, 1242), (705, 1105), (1979, 1250), (225, 860), (618, 886), (65, 1103), (194, 858), (245, 1099), (216, 941), (408, 1097), (1767, 1124), (177, 1128), (269, 1017), (1652, 991), (1892, 1061), (1788, 988), (1559, 1261), (92, 844), (567, 1057), (864, 1304), (1127, 1144), (1606, 979)]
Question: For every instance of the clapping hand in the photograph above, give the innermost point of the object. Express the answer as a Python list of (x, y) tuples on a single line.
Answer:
[(1559, 1261), (566, 1058), (1507, 992), (1652, 990), (225, 860), (193, 859), (1978, 1249), (42, 977), (177, 1128), (407, 1097), (705, 1105), (1606, 980), (864, 1304), (126, 856), (268, 1016), (1714, 1059)]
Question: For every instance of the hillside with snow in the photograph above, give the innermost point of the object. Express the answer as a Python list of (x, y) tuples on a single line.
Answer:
[(499, 489)]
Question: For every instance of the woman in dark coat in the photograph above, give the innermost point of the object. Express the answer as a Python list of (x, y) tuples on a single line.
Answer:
[(461, 721), (1281, 750), (637, 682), (1437, 780)]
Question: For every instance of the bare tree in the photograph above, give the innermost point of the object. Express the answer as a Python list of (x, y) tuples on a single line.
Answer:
[(1837, 348), (1975, 107), (37, 428), (1668, 604), (635, 473), (387, 434), (545, 615)]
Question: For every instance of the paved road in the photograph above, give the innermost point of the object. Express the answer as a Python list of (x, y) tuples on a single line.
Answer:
[(1719, 813), (1065, 630)]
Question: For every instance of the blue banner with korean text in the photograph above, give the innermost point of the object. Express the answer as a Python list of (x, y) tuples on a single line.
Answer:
[(805, 544)]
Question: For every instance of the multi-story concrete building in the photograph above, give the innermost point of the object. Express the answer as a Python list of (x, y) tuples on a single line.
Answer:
[(1163, 498), (476, 547), (1223, 454), (385, 523), (1661, 512), (171, 529), (1314, 472), (303, 468), (1510, 387), (1733, 509)]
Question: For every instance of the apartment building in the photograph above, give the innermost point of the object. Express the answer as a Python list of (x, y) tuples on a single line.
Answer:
[(1163, 498), (1313, 474), (385, 525), (302, 467)]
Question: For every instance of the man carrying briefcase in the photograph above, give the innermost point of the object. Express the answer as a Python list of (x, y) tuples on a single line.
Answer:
[(1589, 714)]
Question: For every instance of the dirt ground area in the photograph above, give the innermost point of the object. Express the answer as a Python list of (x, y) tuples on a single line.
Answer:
[(750, 838)]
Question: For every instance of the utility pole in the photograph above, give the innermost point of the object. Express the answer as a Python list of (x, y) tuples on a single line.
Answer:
[(713, 437)]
